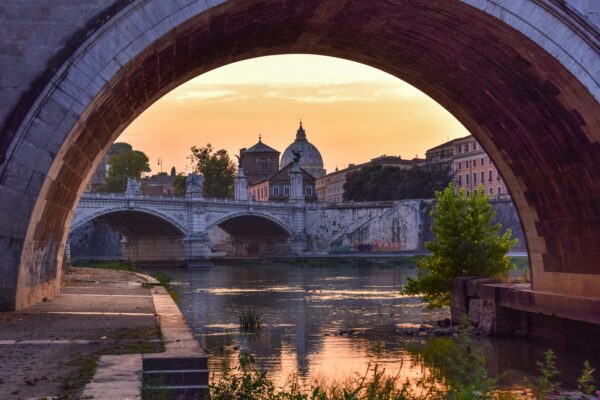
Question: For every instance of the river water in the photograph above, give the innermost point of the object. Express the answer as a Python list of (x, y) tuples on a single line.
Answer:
[(330, 322)]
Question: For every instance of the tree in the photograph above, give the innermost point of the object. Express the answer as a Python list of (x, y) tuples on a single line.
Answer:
[(180, 184), (124, 164), (217, 168), (466, 244), (377, 183)]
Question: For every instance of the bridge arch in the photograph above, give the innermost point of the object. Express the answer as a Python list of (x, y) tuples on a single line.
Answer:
[(127, 218), (241, 223), (527, 93)]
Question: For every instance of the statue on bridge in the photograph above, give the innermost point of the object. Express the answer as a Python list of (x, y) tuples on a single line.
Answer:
[(134, 188), (194, 185), (297, 156)]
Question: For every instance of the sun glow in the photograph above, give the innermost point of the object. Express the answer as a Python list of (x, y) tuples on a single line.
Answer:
[(351, 112)]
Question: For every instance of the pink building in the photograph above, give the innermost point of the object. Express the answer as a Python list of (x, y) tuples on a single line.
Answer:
[(473, 168)]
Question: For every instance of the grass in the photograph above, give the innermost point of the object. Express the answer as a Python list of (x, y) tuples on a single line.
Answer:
[(250, 320), (73, 383)]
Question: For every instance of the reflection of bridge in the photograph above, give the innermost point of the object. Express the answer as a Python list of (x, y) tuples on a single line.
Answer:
[(177, 228)]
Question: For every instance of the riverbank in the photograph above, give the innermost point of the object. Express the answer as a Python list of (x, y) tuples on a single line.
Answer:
[(52, 349)]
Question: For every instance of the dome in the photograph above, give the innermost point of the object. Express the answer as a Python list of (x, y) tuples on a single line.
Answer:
[(310, 160)]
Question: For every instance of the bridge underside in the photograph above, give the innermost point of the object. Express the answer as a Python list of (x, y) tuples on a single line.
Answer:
[(145, 239), (537, 121), (251, 235)]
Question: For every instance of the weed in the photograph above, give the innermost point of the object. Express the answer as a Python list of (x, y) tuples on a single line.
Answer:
[(250, 320), (546, 383), (165, 282), (78, 378), (585, 383)]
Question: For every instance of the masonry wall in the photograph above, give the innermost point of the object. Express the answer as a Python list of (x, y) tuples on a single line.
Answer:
[(38, 36), (95, 240)]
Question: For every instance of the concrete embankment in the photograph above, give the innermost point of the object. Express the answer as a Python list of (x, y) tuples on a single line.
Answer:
[(98, 328)]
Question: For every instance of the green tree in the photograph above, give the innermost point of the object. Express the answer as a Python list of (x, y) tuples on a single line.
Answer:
[(217, 168), (466, 243), (180, 184), (124, 164), (377, 183)]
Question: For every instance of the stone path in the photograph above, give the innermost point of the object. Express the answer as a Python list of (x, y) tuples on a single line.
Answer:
[(98, 312)]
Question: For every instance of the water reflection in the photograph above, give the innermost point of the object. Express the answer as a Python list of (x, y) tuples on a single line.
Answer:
[(329, 323)]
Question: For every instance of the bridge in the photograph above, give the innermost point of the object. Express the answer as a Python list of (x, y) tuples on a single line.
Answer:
[(178, 229), (522, 76)]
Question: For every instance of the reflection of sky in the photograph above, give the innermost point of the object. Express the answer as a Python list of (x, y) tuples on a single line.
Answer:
[(304, 309)]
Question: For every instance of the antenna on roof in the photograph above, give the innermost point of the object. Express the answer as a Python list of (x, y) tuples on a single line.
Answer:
[(259, 137)]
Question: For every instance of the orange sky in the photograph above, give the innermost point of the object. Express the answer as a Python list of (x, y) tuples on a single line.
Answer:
[(350, 111)]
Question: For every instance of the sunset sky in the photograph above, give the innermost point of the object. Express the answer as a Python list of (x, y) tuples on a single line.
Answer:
[(350, 111)]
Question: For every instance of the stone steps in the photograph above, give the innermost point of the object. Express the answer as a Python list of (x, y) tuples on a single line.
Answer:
[(175, 376)]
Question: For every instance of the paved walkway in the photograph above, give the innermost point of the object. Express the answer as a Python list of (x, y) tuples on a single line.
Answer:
[(44, 348)]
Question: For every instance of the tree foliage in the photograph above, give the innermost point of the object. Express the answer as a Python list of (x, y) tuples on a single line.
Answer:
[(377, 183), (125, 163), (180, 184), (217, 168), (466, 243)]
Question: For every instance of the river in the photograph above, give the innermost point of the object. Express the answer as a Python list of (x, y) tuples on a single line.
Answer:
[(330, 322)]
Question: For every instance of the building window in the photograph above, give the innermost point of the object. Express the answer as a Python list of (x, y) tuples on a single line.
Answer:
[(473, 146), (308, 190), (286, 190), (468, 193), (499, 190), (275, 190), (497, 175), (482, 177), (491, 191), (490, 160), (474, 178), (459, 165), (466, 179), (459, 180), (467, 164), (466, 148), (482, 161), (460, 149), (490, 175)]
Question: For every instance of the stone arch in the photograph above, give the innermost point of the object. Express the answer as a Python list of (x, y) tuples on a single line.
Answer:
[(528, 94), (279, 227), (174, 225)]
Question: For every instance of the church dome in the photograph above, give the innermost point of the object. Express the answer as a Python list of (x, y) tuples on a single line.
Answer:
[(310, 160)]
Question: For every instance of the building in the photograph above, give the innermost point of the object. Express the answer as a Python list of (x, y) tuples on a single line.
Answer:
[(310, 161), (330, 188), (277, 187), (259, 162), (472, 168), (268, 176), (159, 184), (441, 155)]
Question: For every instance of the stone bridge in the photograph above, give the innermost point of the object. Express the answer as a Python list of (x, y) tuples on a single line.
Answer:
[(522, 76), (184, 229)]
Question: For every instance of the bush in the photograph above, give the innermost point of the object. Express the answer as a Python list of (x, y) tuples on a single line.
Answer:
[(466, 244)]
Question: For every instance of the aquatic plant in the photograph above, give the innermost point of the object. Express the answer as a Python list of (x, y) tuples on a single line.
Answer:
[(585, 383), (250, 320)]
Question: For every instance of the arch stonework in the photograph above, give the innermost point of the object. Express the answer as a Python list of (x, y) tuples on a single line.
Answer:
[(236, 214), (80, 220), (521, 76)]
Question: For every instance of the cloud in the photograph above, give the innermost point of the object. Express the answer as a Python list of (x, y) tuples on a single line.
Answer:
[(366, 91)]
